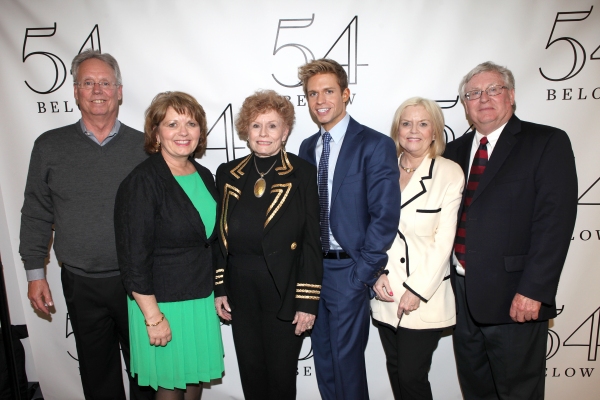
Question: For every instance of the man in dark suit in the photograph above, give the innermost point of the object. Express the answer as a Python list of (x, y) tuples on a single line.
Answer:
[(515, 227), (359, 195)]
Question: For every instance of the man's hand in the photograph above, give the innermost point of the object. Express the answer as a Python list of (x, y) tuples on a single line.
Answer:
[(38, 293), (524, 309)]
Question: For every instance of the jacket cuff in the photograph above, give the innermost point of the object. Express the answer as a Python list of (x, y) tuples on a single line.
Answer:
[(34, 263), (415, 293), (307, 297)]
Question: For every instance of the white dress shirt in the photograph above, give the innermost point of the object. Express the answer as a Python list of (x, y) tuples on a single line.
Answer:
[(492, 140)]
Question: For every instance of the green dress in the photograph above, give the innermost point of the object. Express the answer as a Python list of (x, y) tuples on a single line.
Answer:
[(195, 353)]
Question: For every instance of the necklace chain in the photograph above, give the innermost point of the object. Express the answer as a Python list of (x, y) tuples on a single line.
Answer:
[(260, 185), (407, 169), (269, 170)]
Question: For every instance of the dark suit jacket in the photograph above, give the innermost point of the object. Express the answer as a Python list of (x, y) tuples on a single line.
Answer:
[(161, 240), (365, 199), (520, 221), (291, 238)]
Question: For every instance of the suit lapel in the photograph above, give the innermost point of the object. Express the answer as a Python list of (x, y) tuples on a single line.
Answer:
[(235, 179), (283, 187), (502, 149), (181, 199), (349, 150), (209, 182), (419, 183), (463, 156), (311, 148)]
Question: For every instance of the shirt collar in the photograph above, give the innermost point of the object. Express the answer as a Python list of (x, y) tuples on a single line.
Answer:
[(492, 137), (339, 130), (113, 131)]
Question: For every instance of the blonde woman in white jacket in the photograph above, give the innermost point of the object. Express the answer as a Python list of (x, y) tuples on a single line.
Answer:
[(414, 299)]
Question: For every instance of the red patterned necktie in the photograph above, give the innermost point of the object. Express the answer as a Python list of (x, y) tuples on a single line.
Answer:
[(479, 162)]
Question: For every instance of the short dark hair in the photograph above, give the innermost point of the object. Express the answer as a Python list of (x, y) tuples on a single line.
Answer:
[(181, 102)]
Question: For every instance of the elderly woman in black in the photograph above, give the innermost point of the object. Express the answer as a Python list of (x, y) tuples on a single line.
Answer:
[(270, 282), (165, 214)]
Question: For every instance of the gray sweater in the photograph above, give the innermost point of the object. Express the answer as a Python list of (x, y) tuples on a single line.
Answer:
[(71, 184)]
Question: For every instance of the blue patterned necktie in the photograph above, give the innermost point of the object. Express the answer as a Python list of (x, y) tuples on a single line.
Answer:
[(324, 192)]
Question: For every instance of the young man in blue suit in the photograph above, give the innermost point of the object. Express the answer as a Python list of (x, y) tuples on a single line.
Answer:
[(359, 194)]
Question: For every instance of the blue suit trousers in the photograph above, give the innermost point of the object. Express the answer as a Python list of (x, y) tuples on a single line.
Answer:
[(341, 332)]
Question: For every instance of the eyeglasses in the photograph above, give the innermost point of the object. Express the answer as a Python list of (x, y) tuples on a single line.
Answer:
[(491, 91), (89, 85)]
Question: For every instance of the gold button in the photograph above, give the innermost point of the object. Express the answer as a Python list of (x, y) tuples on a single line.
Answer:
[(293, 246)]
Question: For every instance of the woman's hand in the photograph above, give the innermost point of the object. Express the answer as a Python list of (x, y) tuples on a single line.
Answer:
[(303, 321), (222, 307), (408, 302), (160, 334), (383, 290)]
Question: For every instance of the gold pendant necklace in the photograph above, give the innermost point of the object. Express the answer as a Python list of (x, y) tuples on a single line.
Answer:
[(260, 185)]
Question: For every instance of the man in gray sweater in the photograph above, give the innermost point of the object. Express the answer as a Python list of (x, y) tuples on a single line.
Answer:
[(74, 174)]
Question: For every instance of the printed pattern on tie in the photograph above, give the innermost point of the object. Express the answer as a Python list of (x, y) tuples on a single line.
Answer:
[(477, 168), (324, 192)]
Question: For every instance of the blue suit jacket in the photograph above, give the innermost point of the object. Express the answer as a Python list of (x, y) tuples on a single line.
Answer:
[(365, 199)]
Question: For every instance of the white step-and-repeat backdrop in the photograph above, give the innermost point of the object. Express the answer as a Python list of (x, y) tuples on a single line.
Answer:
[(221, 52)]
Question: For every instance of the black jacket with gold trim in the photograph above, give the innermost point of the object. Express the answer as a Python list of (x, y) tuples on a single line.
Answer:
[(291, 240)]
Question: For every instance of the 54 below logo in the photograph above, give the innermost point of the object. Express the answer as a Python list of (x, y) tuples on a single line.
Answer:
[(585, 335)]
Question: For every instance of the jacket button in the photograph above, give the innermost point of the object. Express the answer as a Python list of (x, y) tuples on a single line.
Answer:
[(402, 260), (293, 246), (206, 245)]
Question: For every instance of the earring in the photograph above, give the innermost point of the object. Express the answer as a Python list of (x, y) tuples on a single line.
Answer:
[(157, 147)]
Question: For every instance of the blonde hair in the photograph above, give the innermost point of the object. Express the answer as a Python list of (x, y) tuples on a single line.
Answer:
[(438, 145)]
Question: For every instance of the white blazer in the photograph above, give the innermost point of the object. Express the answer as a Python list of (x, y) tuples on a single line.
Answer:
[(419, 259)]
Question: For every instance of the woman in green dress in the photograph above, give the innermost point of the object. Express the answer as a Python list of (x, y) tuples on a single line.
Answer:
[(165, 215)]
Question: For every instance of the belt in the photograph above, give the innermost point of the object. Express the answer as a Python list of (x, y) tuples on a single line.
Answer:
[(336, 255)]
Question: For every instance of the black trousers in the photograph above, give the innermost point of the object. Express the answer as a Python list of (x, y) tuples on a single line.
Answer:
[(498, 361), (408, 354), (98, 313), (267, 348)]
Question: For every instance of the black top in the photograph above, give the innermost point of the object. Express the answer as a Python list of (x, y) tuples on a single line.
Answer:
[(161, 240), (289, 237), (247, 221)]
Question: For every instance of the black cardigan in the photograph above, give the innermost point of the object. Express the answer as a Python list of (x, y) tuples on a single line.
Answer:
[(162, 246)]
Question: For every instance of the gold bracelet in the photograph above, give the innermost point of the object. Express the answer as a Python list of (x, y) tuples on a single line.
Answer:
[(161, 320)]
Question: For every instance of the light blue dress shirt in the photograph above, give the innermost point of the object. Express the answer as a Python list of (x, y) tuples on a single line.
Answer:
[(338, 132)]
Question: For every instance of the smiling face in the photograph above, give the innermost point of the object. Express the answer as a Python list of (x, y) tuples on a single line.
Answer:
[(488, 113), (98, 102), (266, 134), (415, 133), (326, 100), (178, 135)]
